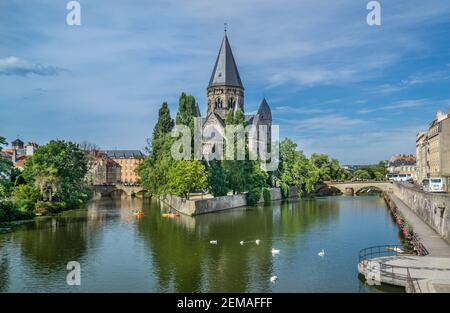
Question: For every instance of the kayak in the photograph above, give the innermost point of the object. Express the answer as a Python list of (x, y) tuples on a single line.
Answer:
[(140, 213), (170, 215)]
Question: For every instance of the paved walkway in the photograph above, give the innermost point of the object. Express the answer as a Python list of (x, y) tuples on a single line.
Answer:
[(436, 246)]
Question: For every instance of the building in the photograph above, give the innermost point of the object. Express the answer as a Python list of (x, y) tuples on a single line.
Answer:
[(19, 152), (421, 156), (433, 149), (403, 165), (102, 169), (128, 160), (225, 92)]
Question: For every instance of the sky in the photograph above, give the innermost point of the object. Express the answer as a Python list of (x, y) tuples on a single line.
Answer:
[(335, 84)]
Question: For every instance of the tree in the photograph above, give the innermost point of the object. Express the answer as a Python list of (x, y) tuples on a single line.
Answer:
[(361, 174), (58, 170), (153, 171), (329, 169), (161, 131), (217, 180), (5, 171), (235, 170), (88, 146), (295, 169), (186, 176), (187, 110)]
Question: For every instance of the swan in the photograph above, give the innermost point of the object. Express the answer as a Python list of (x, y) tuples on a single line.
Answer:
[(241, 242), (257, 241), (321, 253), (273, 279), (213, 242), (275, 251), (398, 250)]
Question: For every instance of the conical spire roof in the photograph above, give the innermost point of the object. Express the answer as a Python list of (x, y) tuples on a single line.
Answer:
[(225, 71), (264, 109)]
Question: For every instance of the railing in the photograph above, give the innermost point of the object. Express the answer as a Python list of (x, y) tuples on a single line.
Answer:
[(418, 246), (390, 273), (412, 284), (384, 250)]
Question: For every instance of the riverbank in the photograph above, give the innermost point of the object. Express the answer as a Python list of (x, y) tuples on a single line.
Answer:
[(192, 207)]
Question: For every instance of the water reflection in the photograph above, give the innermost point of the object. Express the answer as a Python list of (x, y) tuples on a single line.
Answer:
[(121, 252)]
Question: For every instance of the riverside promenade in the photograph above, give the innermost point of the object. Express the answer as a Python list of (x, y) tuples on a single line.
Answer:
[(435, 244), (424, 274)]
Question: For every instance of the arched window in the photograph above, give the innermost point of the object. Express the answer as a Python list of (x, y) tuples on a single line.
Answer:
[(231, 102), (218, 103)]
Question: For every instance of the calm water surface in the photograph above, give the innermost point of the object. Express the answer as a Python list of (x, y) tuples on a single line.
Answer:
[(119, 252)]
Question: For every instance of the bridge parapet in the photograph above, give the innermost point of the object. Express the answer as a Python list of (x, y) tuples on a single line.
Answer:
[(353, 187), (129, 190)]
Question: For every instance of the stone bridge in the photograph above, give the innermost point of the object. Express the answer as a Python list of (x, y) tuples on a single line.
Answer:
[(118, 190), (356, 187)]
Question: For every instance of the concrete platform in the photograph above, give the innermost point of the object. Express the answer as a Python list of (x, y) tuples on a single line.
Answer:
[(432, 274)]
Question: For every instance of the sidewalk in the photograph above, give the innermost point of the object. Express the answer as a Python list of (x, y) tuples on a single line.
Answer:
[(436, 246)]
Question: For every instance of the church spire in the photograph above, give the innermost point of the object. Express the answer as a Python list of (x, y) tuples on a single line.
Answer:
[(225, 72)]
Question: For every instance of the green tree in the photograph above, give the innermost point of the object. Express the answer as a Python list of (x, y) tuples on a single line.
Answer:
[(153, 171), (5, 170), (361, 174), (58, 170), (217, 180), (235, 170), (295, 169), (186, 176), (161, 132), (329, 169), (187, 110)]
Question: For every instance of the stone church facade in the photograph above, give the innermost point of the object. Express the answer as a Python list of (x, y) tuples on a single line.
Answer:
[(226, 92)]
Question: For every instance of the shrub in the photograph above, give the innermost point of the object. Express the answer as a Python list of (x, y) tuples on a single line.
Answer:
[(10, 212), (266, 195), (25, 197), (253, 196), (284, 190)]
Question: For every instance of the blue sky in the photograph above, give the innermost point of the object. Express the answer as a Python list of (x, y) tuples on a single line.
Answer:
[(335, 84)]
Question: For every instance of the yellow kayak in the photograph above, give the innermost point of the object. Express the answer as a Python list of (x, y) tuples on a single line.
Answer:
[(170, 215)]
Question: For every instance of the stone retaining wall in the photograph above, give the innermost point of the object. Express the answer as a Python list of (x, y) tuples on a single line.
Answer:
[(433, 208), (202, 206)]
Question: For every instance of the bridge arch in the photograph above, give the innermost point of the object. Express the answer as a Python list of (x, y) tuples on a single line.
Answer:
[(368, 189)]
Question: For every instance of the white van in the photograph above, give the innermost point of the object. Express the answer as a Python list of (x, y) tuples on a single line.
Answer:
[(436, 184)]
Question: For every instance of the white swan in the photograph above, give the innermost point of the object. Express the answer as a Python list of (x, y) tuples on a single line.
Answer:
[(273, 279), (398, 250), (321, 253), (241, 242), (275, 251), (257, 241), (213, 242)]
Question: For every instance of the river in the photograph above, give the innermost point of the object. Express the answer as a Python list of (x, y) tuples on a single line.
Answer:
[(119, 252)]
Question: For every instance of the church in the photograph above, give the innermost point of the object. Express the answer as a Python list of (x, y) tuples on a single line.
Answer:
[(225, 91)]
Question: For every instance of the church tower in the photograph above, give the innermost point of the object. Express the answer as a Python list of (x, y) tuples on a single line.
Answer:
[(225, 90)]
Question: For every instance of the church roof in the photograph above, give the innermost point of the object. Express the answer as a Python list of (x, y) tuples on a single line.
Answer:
[(225, 70), (264, 110)]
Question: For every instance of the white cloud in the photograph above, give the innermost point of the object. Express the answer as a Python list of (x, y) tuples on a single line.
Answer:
[(15, 66)]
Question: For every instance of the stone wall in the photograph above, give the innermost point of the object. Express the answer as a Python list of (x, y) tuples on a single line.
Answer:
[(433, 208), (202, 206)]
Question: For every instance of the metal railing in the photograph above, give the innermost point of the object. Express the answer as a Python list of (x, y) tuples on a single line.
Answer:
[(384, 250), (390, 273), (412, 284)]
